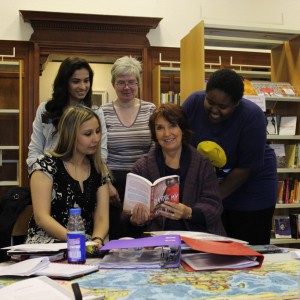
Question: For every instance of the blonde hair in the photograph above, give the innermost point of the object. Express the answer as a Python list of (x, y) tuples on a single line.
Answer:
[(68, 128), (126, 65)]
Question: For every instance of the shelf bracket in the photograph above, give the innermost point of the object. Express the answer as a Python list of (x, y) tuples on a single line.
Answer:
[(169, 62), (8, 56), (214, 64), (247, 66)]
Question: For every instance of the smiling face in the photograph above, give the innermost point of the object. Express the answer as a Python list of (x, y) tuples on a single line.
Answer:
[(169, 136), (88, 137), (79, 85), (126, 87), (218, 105)]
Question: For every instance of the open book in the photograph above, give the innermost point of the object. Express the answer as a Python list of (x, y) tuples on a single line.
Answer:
[(43, 267), (140, 190)]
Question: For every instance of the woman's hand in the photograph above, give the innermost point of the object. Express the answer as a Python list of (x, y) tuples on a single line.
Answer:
[(140, 215), (176, 211)]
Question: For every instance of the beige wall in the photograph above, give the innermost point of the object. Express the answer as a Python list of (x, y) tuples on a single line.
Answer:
[(101, 82), (179, 16)]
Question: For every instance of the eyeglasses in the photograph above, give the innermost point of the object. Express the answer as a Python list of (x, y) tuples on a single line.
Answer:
[(123, 84)]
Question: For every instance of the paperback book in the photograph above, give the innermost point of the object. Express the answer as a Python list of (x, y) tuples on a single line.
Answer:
[(140, 190), (274, 89), (282, 227)]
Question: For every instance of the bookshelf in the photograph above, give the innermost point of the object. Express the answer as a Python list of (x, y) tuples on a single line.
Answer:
[(282, 65), (11, 120)]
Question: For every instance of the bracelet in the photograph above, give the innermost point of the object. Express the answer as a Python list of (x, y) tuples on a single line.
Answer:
[(98, 238)]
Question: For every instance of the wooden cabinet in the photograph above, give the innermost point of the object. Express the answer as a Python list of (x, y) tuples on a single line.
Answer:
[(11, 146)]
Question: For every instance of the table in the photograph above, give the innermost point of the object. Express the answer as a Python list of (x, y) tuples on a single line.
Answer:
[(276, 279)]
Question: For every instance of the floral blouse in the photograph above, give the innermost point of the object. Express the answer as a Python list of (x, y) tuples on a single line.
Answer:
[(66, 194)]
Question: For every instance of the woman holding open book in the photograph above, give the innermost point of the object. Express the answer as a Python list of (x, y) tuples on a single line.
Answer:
[(199, 207), (231, 132), (72, 175)]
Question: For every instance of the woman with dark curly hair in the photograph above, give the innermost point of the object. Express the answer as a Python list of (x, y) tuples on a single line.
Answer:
[(200, 206), (72, 86), (231, 132)]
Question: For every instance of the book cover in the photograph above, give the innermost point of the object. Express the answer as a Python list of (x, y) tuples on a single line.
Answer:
[(280, 191), (279, 150), (282, 227), (272, 124), (290, 154), (140, 190), (248, 88), (274, 89), (287, 125)]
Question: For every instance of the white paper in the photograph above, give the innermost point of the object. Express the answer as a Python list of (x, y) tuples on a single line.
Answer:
[(35, 289), (199, 236), (259, 100)]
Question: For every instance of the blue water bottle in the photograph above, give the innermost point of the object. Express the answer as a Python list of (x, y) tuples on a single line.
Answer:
[(76, 237)]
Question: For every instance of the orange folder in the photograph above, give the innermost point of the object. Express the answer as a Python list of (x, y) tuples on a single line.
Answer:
[(221, 248)]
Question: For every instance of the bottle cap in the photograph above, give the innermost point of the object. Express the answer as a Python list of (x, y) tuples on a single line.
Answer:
[(75, 211)]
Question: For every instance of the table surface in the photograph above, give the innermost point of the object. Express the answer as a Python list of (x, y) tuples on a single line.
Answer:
[(276, 279)]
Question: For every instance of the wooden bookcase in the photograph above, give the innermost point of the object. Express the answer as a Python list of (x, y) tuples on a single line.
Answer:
[(284, 54), (11, 117)]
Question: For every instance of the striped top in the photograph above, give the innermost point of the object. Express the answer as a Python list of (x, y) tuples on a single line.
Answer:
[(126, 144)]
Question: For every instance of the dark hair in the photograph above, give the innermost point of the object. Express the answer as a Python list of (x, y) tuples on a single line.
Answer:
[(229, 82), (60, 95), (174, 114)]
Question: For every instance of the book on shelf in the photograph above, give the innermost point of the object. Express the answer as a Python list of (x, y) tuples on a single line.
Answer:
[(171, 97), (290, 154), (279, 150), (287, 125), (41, 266), (295, 225), (282, 227), (280, 191), (288, 191), (248, 88), (139, 190), (274, 89), (273, 122)]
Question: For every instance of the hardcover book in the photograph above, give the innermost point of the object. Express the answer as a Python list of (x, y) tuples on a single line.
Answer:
[(140, 190)]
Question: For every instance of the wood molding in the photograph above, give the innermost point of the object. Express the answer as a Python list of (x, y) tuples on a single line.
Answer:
[(104, 30)]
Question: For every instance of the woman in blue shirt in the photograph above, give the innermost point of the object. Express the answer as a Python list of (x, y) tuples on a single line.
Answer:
[(231, 132)]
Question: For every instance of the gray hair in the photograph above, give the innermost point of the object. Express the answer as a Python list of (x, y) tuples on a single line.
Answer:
[(126, 65)]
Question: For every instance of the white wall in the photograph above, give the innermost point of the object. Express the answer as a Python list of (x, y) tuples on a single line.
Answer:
[(179, 16)]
